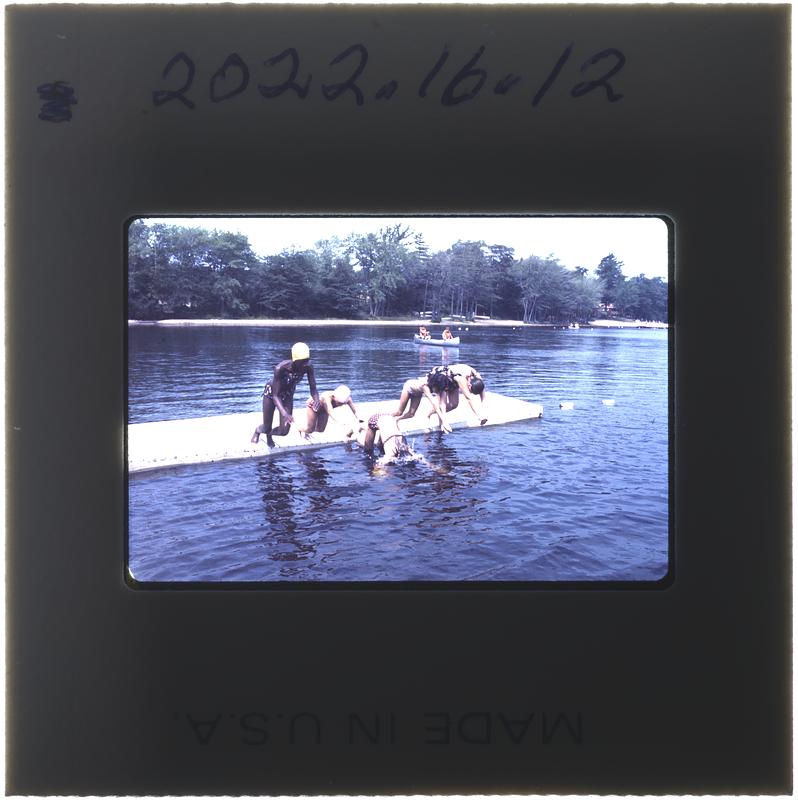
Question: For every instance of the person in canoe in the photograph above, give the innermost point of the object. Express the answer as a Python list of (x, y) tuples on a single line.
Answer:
[(430, 385), (382, 430), (423, 332), (279, 393), (464, 380), (446, 335), (319, 411)]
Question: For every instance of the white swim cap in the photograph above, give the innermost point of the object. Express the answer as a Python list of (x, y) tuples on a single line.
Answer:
[(300, 351), (342, 394)]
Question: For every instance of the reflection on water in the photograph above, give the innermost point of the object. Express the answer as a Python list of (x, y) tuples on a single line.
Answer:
[(291, 499), (580, 495), (430, 356)]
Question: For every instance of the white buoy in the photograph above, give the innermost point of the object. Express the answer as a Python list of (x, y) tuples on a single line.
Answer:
[(608, 402), (566, 406)]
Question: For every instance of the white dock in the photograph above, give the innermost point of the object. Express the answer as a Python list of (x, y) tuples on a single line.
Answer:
[(205, 440)]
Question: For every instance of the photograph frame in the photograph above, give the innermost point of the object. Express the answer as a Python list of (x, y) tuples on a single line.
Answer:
[(216, 692), (219, 224)]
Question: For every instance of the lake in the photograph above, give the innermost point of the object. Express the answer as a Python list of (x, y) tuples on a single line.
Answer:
[(580, 495)]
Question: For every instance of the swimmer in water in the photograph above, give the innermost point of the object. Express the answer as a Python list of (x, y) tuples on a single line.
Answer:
[(382, 431), (279, 393)]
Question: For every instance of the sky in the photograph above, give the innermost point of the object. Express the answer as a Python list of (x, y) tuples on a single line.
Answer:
[(641, 243)]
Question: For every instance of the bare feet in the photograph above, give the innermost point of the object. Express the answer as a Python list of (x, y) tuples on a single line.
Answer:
[(256, 436), (269, 440)]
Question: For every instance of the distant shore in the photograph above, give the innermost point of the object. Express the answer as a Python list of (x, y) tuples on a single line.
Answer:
[(482, 323)]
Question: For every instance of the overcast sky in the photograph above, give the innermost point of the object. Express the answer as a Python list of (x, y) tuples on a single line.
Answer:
[(641, 243)]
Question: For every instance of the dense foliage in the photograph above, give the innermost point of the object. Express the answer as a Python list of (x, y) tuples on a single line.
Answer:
[(185, 272)]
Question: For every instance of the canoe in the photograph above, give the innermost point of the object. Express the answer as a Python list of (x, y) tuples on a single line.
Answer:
[(204, 440), (437, 342)]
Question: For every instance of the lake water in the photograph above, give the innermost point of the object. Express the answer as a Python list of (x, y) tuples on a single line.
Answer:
[(579, 495)]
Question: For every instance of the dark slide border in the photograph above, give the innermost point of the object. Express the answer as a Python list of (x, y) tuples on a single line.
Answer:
[(116, 112)]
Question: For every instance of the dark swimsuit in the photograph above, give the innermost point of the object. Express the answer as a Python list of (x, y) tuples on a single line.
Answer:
[(443, 371), (289, 385)]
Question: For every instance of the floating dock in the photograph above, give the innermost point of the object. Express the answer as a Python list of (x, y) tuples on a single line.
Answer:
[(205, 440)]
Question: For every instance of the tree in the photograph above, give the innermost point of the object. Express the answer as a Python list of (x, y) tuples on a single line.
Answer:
[(381, 258), (611, 277), (586, 295), (287, 286), (469, 280), (175, 269), (504, 289), (646, 298), (341, 291), (541, 286), (227, 290)]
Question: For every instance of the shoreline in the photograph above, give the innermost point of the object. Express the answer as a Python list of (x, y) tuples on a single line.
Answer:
[(490, 323)]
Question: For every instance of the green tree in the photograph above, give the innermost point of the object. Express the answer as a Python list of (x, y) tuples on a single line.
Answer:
[(540, 283), (286, 286), (340, 293), (146, 287), (381, 259), (176, 270), (585, 296), (611, 277), (504, 291), (646, 298), (227, 290), (469, 279)]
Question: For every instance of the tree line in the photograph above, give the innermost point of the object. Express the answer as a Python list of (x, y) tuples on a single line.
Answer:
[(183, 272)]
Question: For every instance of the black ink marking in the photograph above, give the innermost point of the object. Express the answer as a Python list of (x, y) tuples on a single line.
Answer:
[(387, 91), (57, 98), (290, 82), (506, 83), (448, 98), (334, 91), (547, 84), (422, 90), (232, 61), (583, 88), (165, 95)]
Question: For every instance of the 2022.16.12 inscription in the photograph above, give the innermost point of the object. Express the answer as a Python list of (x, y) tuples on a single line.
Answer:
[(346, 74)]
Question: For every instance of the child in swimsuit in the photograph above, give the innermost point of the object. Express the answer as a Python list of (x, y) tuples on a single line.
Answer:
[(427, 386), (319, 411), (383, 429), (279, 393), (467, 381)]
